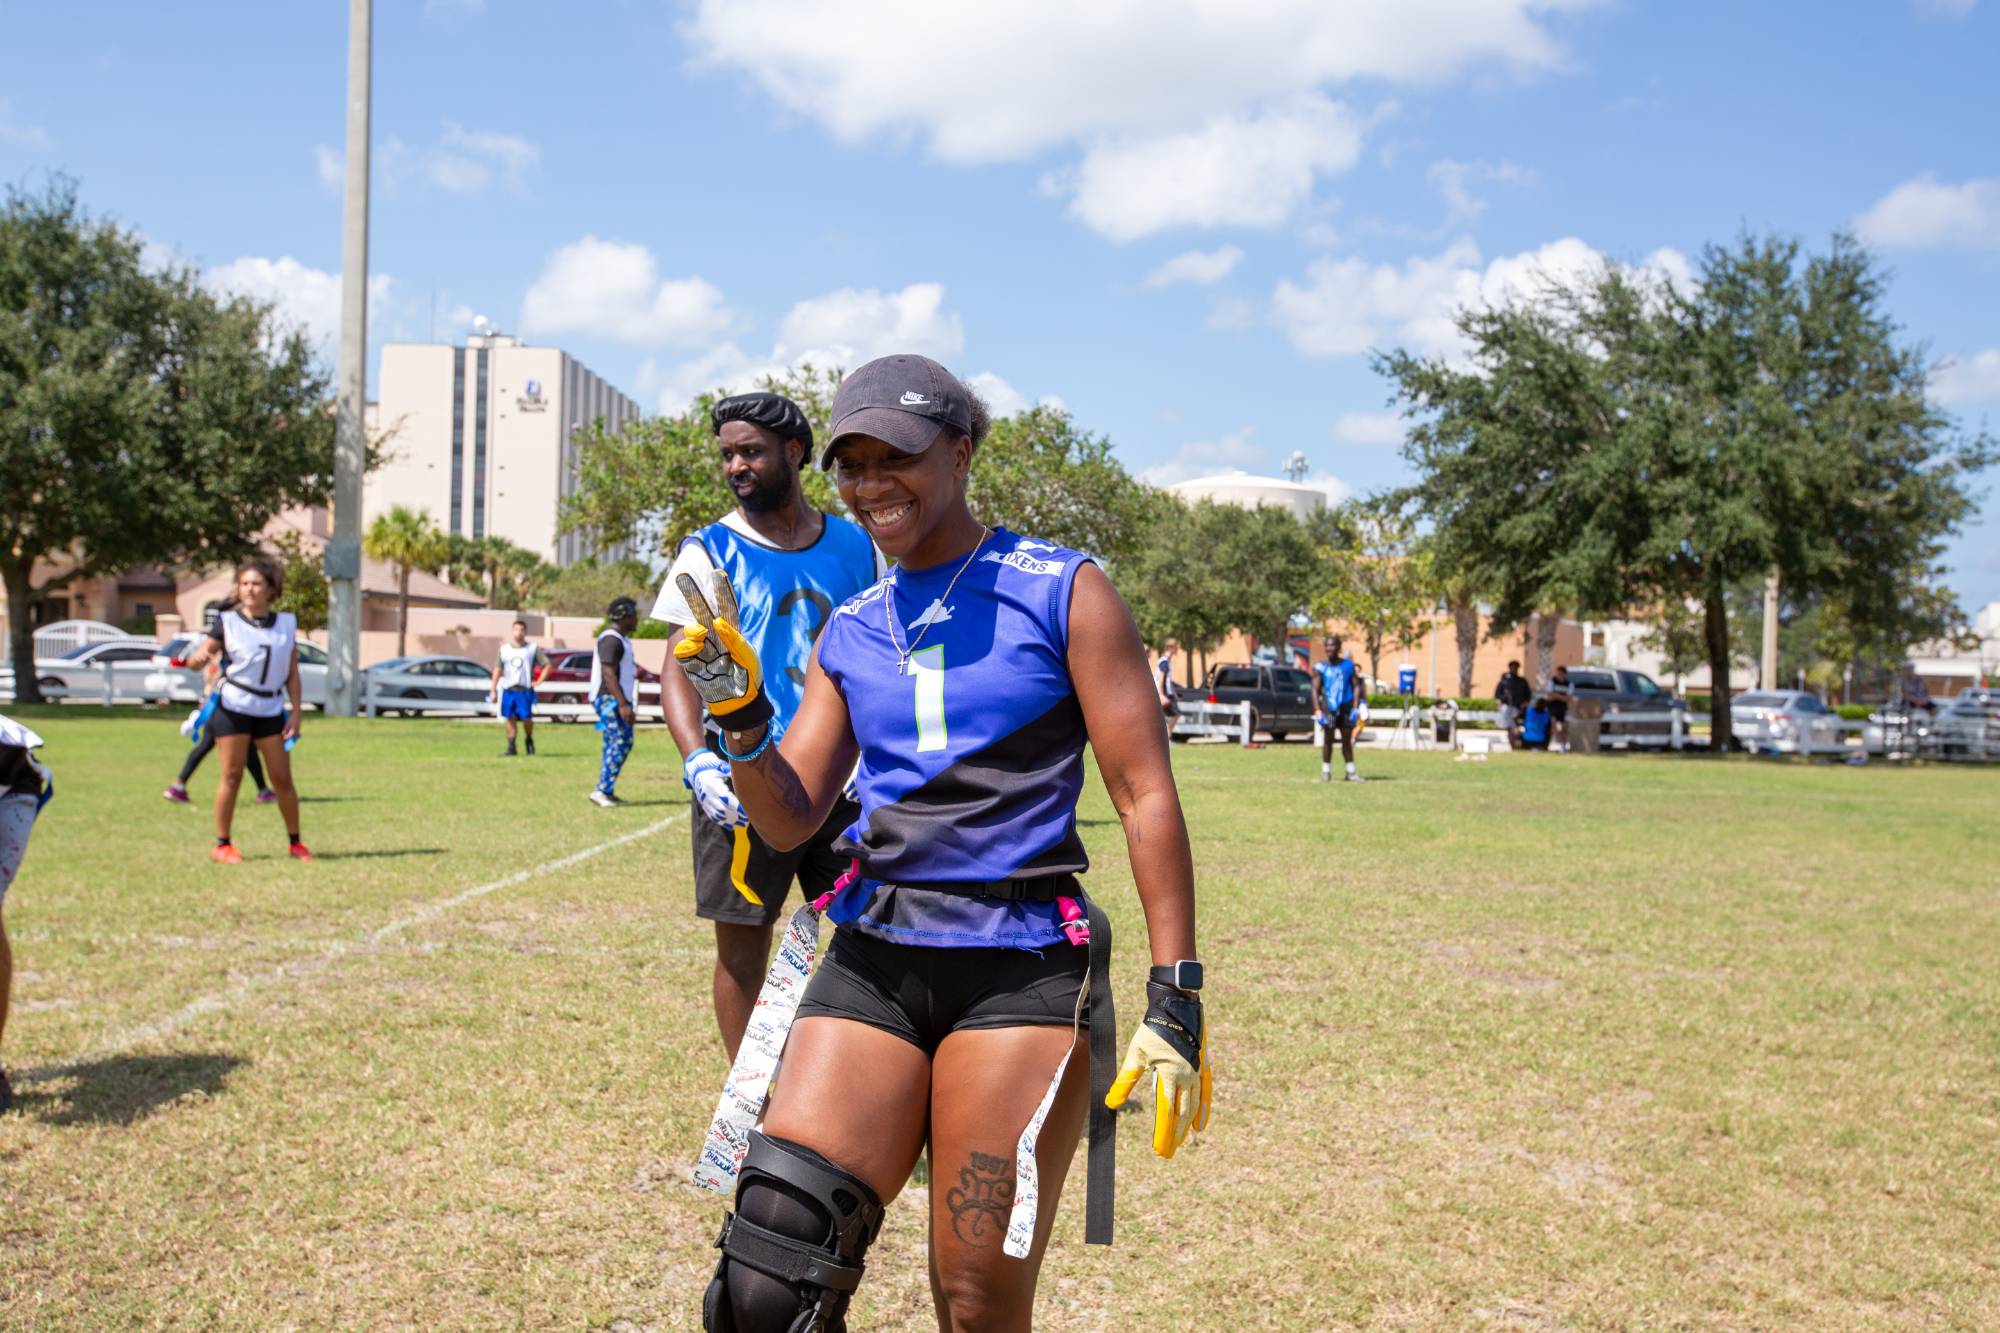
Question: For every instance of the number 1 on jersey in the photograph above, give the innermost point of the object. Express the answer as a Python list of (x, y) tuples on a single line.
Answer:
[(929, 667)]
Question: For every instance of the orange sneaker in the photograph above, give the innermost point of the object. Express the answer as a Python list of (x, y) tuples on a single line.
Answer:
[(227, 854), (299, 852)]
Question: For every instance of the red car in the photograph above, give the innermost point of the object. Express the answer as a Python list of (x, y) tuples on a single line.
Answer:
[(571, 666)]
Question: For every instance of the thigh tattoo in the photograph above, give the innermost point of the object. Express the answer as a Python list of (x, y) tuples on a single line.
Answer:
[(982, 1199)]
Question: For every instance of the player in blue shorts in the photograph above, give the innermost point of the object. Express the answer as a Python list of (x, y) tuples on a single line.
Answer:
[(950, 1002), (519, 667), (1338, 703)]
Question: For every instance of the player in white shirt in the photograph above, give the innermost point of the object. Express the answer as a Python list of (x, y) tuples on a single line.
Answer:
[(261, 647), (519, 669)]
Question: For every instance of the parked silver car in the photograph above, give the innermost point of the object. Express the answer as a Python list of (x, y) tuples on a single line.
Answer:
[(1785, 722), (435, 678), (1968, 727), (79, 673)]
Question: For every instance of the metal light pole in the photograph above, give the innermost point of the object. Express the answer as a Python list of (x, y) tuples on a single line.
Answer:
[(1768, 673), (350, 447)]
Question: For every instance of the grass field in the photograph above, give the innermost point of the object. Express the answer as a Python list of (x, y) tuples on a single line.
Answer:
[(1544, 1042)]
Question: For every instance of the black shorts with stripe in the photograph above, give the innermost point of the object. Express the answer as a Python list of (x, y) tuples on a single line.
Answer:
[(730, 865)]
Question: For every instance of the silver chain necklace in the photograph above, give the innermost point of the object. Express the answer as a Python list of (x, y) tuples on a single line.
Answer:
[(903, 654)]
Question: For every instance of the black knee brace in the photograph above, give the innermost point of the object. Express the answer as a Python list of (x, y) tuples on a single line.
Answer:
[(791, 1252)]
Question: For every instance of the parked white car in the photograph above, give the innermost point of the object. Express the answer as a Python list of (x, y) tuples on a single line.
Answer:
[(170, 683), (1968, 727), (453, 679), (1785, 722), (79, 673)]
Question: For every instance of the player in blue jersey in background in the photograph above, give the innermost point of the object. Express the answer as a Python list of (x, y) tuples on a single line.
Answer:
[(789, 566), (1338, 704), (946, 1011)]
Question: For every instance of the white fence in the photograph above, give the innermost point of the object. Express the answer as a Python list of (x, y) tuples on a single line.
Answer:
[(1200, 718)]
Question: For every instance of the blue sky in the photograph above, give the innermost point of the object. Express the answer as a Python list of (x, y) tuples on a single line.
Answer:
[(1187, 220)]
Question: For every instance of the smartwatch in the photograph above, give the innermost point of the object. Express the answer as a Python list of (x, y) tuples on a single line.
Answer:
[(1184, 975)]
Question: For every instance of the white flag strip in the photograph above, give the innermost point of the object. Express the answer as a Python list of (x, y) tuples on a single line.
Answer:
[(749, 1084)]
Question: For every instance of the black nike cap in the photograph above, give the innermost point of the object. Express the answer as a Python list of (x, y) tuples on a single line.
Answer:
[(905, 401)]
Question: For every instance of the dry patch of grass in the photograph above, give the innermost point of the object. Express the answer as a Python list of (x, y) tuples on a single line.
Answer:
[(1540, 1043)]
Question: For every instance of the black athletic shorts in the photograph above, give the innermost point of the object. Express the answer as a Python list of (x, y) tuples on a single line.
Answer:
[(1558, 709), (924, 995), (229, 722), (1343, 718), (720, 877)]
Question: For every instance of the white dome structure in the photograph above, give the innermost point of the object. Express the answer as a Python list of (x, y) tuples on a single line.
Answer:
[(1248, 492)]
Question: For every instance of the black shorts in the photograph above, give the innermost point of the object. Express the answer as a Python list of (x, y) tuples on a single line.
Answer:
[(764, 872), (1558, 709), (924, 995), (1343, 718), (229, 722)]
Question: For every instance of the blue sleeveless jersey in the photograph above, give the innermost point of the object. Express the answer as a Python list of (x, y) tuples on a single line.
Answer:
[(1336, 683), (785, 597), (971, 763)]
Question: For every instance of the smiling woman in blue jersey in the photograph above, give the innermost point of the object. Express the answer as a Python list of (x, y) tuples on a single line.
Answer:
[(965, 954)]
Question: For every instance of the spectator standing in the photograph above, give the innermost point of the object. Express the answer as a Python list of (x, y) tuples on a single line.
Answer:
[(1512, 694), (1558, 700)]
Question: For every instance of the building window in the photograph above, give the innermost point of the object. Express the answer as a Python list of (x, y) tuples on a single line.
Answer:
[(479, 449), (457, 439)]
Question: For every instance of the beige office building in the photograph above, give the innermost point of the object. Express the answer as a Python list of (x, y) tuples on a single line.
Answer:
[(481, 436)]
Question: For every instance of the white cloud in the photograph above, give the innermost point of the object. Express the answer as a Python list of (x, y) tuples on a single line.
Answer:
[(461, 162), (1112, 67), (1372, 429), (1968, 379), (1345, 307), (1002, 398), (1336, 489), (467, 161), (840, 329), (1454, 180), (1237, 170), (1200, 267), (613, 290), (848, 327), (14, 132), (306, 298), (1185, 112), (1202, 458), (1927, 213)]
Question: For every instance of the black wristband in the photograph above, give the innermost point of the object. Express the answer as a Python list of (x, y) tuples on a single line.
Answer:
[(747, 718), (1175, 1015)]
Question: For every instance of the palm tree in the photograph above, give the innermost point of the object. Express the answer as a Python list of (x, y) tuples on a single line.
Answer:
[(407, 539)]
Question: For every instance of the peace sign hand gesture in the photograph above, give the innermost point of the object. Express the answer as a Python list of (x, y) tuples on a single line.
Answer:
[(717, 660)]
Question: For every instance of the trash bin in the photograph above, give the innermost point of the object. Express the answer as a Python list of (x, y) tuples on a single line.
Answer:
[(1586, 726)]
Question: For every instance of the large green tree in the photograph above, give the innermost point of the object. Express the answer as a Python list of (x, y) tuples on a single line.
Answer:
[(1619, 442), (142, 418), (407, 539), (1040, 475), (1383, 585), (659, 479)]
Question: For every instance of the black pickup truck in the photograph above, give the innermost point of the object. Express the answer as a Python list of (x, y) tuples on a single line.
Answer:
[(1280, 698)]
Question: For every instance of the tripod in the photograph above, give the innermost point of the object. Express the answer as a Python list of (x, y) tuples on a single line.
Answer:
[(1410, 725)]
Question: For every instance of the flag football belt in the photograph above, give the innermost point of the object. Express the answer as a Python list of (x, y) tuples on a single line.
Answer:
[(250, 689), (741, 1105)]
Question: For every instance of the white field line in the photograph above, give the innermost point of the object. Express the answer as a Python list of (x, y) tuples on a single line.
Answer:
[(220, 1001)]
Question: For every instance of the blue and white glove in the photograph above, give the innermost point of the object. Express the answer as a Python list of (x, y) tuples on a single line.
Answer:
[(707, 776)]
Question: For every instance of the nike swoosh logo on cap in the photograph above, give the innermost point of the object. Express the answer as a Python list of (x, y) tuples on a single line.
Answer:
[(911, 398)]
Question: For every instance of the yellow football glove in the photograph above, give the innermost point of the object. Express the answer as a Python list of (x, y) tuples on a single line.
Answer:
[(717, 660), (1172, 1042)]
